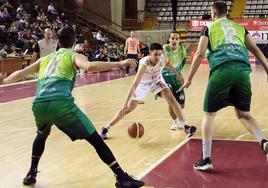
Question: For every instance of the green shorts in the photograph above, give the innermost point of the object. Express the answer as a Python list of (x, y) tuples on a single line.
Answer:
[(174, 84), (66, 116), (228, 86)]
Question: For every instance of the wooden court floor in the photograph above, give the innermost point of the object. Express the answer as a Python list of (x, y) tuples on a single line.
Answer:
[(76, 165)]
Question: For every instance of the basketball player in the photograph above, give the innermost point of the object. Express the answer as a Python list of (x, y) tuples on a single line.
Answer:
[(175, 53), (229, 81), (149, 79), (54, 104)]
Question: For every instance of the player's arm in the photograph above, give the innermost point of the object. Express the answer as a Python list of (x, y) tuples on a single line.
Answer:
[(135, 83), (251, 45), (97, 66), (183, 58), (199, 55), (172, 69), (19, 75)]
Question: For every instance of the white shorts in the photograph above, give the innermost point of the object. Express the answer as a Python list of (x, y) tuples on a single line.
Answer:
[(144, 88)]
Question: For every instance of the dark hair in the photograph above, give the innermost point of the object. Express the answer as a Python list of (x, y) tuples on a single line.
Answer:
[(220, 7), (67, 37), (156, 46)]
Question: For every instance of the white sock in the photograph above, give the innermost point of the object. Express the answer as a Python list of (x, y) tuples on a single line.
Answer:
[(183, 122), (206, 145), (108, 126), (259, 135)]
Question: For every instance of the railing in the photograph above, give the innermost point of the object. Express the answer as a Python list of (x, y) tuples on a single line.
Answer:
[(93, 26), (118, 32)]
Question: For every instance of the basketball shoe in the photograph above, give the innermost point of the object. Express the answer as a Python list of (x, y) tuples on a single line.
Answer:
[(189, 130), (203, 164), (103, 133), (127, 182), (30, 177)]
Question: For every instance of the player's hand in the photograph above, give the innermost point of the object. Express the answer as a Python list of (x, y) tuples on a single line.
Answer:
[(181, 79), (129, 62), (186, 84)]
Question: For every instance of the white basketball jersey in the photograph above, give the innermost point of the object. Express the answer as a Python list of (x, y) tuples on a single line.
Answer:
[(152, 73)]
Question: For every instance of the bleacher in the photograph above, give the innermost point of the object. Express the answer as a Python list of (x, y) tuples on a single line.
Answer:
[(186, 9), (256, 9)]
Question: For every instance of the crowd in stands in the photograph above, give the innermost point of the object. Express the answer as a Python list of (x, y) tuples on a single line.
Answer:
[(21, 28)]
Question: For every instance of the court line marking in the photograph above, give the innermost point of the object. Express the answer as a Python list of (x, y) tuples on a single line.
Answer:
[(19, 83), (137, 120), (75, 88), (35, 80), (246, 134), (164, 157)]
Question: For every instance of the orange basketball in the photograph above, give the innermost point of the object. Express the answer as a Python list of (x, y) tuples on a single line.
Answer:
[(135, 130)]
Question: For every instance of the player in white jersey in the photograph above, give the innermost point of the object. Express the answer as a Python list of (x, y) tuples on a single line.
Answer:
[(149, 79)]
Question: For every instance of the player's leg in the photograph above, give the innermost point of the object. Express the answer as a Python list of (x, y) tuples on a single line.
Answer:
[(38, 146), (77, 126), (172, 83), (166, 93), (241, 95), (216, 97), (251, 125), (138, 98), (117, 117), (207, 133), (180, 98), (106, 155)]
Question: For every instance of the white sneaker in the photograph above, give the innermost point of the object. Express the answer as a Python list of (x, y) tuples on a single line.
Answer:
[(175, 125)]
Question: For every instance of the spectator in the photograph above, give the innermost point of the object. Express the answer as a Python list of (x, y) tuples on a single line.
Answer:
[(44, 46), (100, 55), (132, 49), (100, 39), (51, 9), (20, 9)]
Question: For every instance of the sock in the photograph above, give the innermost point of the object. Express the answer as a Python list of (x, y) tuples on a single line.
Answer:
[(184, 123), (259, 135), (176, 120), (108, 126), (206, 145), (39, 147), (105, 153)]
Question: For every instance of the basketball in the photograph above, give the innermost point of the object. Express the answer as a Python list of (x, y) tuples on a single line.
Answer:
[(135, 130)]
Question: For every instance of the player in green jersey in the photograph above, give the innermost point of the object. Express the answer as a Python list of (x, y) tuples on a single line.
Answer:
[(229, 83), (54, 104), (175, 53)]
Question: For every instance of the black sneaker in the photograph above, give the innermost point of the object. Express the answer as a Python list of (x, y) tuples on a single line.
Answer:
[(30, 177), (264, 146), (203, 164), (189, 130), (127, 182), (103, 133)]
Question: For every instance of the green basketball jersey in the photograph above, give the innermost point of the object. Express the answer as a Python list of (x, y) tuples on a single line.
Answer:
[(227, 43), (177, 58), (56, 76)]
